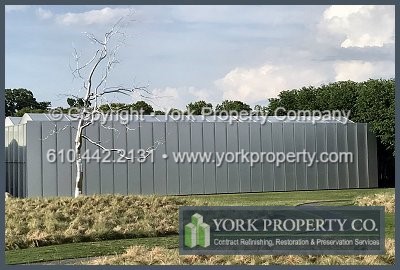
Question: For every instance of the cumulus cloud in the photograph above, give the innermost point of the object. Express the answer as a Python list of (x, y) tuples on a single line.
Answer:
[(97, 16), (178, 97), (363, 70), (261, 83), (360, 26), (44, 14)]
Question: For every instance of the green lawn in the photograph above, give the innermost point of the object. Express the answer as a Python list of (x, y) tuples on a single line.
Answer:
[(112, 247), (325, 197), (84, 250)]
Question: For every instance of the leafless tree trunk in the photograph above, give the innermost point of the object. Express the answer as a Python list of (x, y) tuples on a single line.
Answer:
[(103, 59)]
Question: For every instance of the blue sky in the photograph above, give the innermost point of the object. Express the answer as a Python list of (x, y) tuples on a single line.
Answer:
[(188, 53)]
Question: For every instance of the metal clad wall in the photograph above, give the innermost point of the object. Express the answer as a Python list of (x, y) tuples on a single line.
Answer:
[(353, 148), (221, 147), (208, 140), (185, 168), (267, 168), (63, 166), (279, 171), (34, 160), (362, 155), (300, 146), (311, 147), (172, 145), (121, 166), (160, 171), (288, 146), (147, 169), (196, 141), (255, 146), (30, 174), (133, 142), (331, 146)]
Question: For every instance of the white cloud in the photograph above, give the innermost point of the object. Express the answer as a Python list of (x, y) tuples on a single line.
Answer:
[(356, 70), (44, 14), (11, 8), (97, 16), (178, 97), (360, 26), (257, 84)]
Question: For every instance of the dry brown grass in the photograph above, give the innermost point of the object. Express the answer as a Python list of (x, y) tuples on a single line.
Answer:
[(380, 199), (39, 222), (138, 255)]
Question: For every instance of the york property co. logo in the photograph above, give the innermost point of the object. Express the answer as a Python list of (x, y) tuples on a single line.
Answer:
[(197, 232)]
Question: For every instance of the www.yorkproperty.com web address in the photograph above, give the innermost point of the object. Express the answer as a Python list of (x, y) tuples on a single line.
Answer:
[(253, 158)]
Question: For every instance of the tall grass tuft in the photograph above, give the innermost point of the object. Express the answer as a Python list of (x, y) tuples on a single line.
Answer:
[(46, 221), (138, 255), (380, 199)]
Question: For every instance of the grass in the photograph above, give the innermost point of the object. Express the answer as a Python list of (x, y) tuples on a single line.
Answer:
[(41, 222), (162, 256), (384, 199), (85, 250), (324, 197), (112, 247)]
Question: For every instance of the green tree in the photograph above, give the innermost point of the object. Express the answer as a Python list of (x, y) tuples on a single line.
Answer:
[(78, 103), (232, 106), (21, 99), (113, 107), (143, 107), (199, 107), (158, 112), (376, 105)]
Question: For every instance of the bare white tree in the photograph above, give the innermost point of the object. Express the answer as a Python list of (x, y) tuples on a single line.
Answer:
[(95, 88)]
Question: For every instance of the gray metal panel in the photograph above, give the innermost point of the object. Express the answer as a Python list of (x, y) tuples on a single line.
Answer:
[(160, 163), (300, 146), (267, 167), (185, 167), (279, 171), (244, 167), (121, 163), (233, 167), (25, 163), (288, 145), (133, 144), (92, 176), (8, 138), (362, 155), (107, 167), (63, 166), (353, 148), (14, 160), (311, 147), (21, 164), (343, 168), (372, 159), (49, 142), (331, 146), (255, 146), (146, 171), (196, 143), (6, 142), (173, 185), (209, 168), (220, 146), (322, 168)]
